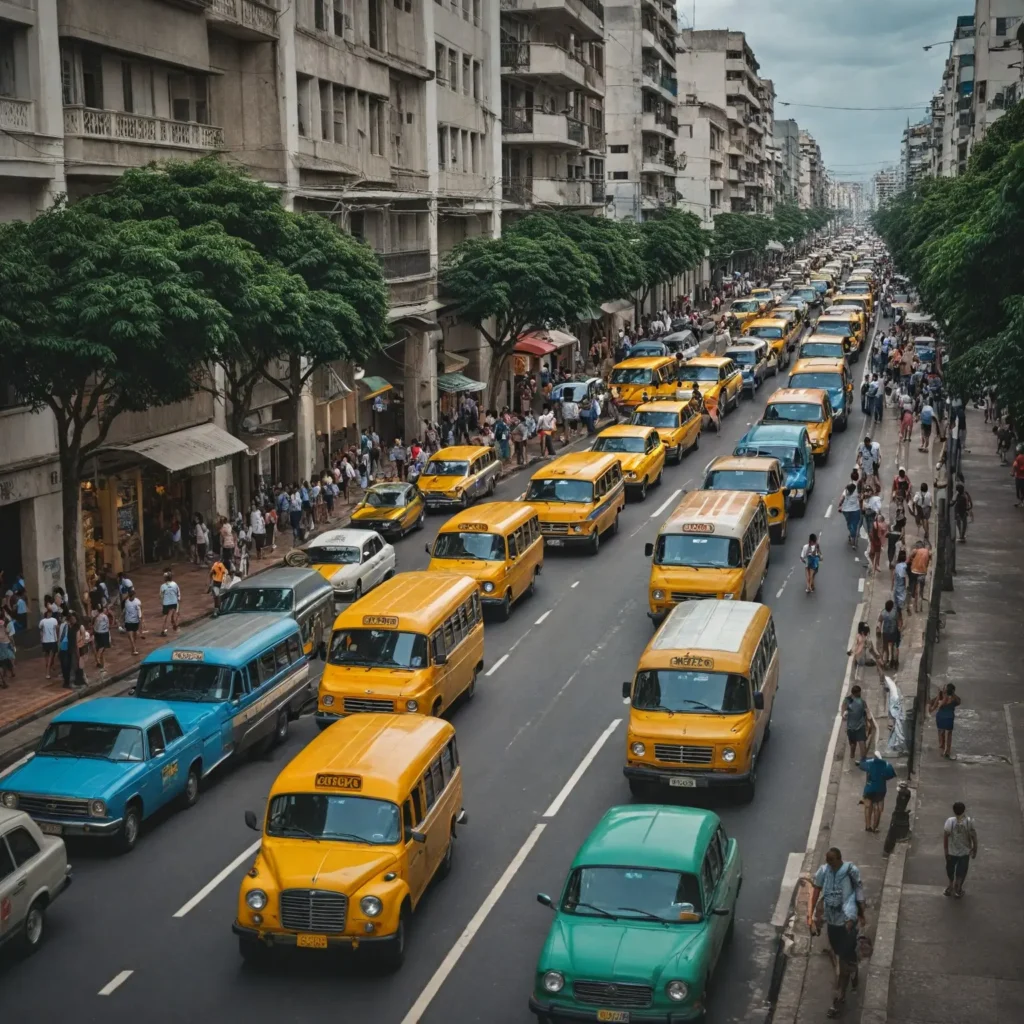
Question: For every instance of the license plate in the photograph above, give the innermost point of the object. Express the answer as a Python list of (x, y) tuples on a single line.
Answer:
[(50, 829), (311, 941), (621, 1016), (683, 783), (555, 542)]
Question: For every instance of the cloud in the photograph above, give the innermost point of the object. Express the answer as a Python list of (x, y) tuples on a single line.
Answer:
[(843, 53)]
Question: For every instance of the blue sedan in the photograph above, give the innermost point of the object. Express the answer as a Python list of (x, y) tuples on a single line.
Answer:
[(791, 445), (105, 765)]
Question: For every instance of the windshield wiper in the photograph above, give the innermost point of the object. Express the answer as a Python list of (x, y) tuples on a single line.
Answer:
[(600, 910), (350, 836), (655, 707), (701, 704), (647, 914), (282, 828)]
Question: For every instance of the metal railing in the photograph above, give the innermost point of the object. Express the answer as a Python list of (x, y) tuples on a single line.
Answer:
[(515, 55), (577, 130), (651, 69), (125, 127), (517, 190), (669, 83), (517, 120), (404, 264), (15, 115), (260, 17), (598, 190)]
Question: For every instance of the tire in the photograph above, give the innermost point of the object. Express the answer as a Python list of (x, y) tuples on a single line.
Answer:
[(465, 500), (358, 591), (190, 794), (615, 525), (444, 869), (33, 928), (749, 788), (643, 490), (532, 588), (392, 952), (421, 522), (490, 487), (470, 692), (677, 456), (505, 608), (280, 733), (696, 442), (595, 543), (657, 483), (128, 835)]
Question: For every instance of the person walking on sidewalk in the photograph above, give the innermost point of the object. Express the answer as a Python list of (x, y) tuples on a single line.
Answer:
[(865, 656), (811, 557), (927, 418), (922, 509), (877, 536), (132, 618), (101, 638), (944, 706), (889, 629), (170, 599), (879, 771), (960, 845), (837, 884), (917, 568), (963, 507), (545, 428), (7, 655), (858, 721), (48, 628), (850, 506), (1017, 469), (901, 585), (258, 529)]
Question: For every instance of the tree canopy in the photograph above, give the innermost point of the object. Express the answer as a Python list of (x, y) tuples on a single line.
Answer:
[(670, 244), (747, 234)]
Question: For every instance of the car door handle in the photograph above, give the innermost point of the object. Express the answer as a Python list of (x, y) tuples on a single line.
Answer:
[(18, 888)]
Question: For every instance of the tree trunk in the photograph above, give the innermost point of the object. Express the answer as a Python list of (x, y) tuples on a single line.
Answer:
[(290, 468), (496, 378), (70, 501), (241, 466)]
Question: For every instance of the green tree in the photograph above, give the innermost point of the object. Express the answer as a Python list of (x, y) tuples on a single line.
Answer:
[(98, 318), (740, 236), (503, 286), (669, 245)]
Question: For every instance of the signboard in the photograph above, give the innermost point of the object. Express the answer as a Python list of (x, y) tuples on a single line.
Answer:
[(187, 656), (692, 661), (698, 527), (349, 783), (387, 621), (126, 518)]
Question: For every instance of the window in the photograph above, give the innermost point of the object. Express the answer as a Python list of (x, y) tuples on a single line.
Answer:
[(439, 62), (6, 860), (476, 79), (442, 146), (723, 843), (254, 674), (417, 805), (476, 12), (449, 636), (474, 153), (92, 78), (23, 847), (466, 10), (126, 87), (281, 655), (188, 98), (377, 131), (467, 74), (294, 650), (435, 774), (172, 731), (155, 739), (454, 154), (267, 667), (447, 768), (714, 861), (326, 113), (340, 121), (320, 14), (618, 149), (407, 819), (428, 788), (376, 33), (981, 90), (340, 18), (453, 70), (620, 175)]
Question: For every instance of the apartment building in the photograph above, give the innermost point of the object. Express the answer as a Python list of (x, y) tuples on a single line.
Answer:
[(812, 173), (787, 143), (552, 105), (885, 184), (703, 134), (379, 115), (642, 120), (725, 71), (916, 152), (770, 167), (998, 58)]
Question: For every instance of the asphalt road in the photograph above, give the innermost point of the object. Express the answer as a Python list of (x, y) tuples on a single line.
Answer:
[(542, 747)]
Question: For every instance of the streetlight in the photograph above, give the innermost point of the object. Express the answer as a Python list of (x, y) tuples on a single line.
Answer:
[(941, 42)]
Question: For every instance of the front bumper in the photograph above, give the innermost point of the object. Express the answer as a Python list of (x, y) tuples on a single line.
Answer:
[(91, 827), (565, 540), (441, 501), (701, 780), (290, 939), (384, 527), (555, 1011)]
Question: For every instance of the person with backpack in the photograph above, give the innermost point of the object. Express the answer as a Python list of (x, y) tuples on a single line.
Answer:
[(960, 845)]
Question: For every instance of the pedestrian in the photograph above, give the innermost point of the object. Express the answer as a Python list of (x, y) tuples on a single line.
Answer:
[(124, 584), (65, 646), (811, 557), (101, 638), (7, 653), (850, 506), (963, 507), (926, 417), (858, 718), (864, 652), (917, 570), (897, 531), (218, 571), (901, 585), (889, 629), (520, 433), (132, 618), (944, 707), (258, 529), (570, 418), (170, 598), (397, 457), (1004, 439), (48, 629), (294, 518), (1017, 469), (201, 537), (545, 429), (921, 508), (837, 884), (960, 845), (877, 536), (270, 527), (501, 437), (879, 771), (228, 540), (83, 641)]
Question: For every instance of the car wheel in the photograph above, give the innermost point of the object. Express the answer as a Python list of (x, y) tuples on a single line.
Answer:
[(505, 608), (615, 525), (643, 490), (748, 789), (392, 952), (128, 835), (531, 589), (696, 442), (33, 930), (465, 499), (490, 487), (595, 541), (445, 867), (784, 531), (190, 794), (470, 692), (281, 727), (421, 521)]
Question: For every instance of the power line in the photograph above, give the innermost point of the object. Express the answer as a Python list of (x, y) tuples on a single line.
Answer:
[(821, 106)]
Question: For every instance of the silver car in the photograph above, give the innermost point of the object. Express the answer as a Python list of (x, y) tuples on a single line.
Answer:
[(34, 871)]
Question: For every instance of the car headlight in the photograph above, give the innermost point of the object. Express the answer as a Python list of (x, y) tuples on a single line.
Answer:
[(728, 597), (677, 991), (797, 492), (371, 906), (97, 808), (729, 755), (488, 588), (10, 800), (577, 529), (255, 899), (327, 700), (773, 512), (637, 748), (553, 981), (412, 705), (658, 595)]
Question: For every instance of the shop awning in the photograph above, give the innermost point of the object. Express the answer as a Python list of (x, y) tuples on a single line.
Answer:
[(453, 362), (182, 449), (560, 339), (618, 306), (532, 345), (257, 443), (371, 387), (458, 382), (774, 246)]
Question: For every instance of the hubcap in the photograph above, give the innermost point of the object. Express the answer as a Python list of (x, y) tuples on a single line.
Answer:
[(131, 828), (193, 786), (34, 926)]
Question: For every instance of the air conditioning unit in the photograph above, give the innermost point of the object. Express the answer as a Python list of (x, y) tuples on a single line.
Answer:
[(691, 99)]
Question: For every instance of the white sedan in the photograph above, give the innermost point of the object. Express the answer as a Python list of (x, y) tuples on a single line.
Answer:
[(352, 561)]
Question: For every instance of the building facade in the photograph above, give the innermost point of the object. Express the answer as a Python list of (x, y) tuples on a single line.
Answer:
[(787, 144), (811, 187), (998, 59), (885, 184), (703, 131)]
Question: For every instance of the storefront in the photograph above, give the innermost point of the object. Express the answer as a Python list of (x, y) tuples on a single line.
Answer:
[(451, 387), (381, 408)]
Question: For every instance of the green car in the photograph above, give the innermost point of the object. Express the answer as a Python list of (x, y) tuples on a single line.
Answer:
[(647, 907)]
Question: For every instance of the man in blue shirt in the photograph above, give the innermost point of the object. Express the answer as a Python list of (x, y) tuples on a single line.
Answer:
[(879, 771)]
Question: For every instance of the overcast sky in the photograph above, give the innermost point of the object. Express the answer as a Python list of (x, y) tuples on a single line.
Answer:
[(854, 53)]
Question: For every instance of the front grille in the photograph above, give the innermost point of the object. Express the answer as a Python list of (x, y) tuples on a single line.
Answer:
[(310, 910), (554, 527), (355, 705), (684, 755), (678, 595), (602, 993), (54, 806)]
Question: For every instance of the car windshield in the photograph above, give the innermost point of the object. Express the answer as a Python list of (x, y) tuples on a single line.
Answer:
[(92, 739), (755, 480), (807, 294), (183, 680), (765, 332), (633, 893), (820, 286), (822, 349), (560, 490), (632, 375), (323, 554), (824, 379), (789, 455), (697, 551), (487, 546), (570, 392), (690, 373), (385, 648), (649, 418), (631, 445), (653, 348), (857, 287), (256, 599), (743, 356), (858, 303), (351, 819), (746, 306), (841, 328), (385, 498), (689, 690), (794, 412), (446, 467)]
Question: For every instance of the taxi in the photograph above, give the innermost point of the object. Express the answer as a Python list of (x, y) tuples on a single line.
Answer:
[(391, 509), (578, 498), (352, 561), (823, 346), (844, 323), (356, 827), (757, 475), (745, 310), (719, 381), (640, 453), (751, 355), (677, 422), (790, 444), (833, 376), (499, 544), (809, 406), (638, 380), (765, 295), (793, 308), (862, 302), (779, 333), (457, 476)]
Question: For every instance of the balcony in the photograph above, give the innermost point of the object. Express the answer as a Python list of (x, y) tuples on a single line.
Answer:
[(593, 80), (653, 77), (553, 191), (398, 266), (529, 126), (244, 19), (734, 174), (652, 39), (119, 126), (657, 162), (715, 184), (583, 16), (16, 115), (543, 60), (596, 142), (655, 121)]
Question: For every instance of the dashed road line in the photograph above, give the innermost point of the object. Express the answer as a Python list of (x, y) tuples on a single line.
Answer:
[(588, 759), (665, 504), (494, 668), (213, 883), (828, 512), (860, 585), (543, 617), (574, 585), (115, 983)]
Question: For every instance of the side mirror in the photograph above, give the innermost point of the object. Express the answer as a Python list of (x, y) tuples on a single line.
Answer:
[(626, 687), (648, 550), (721, 911), (250, 820), (440, 659), (543, 899), (426, 547), (759, 701), (417, 837)]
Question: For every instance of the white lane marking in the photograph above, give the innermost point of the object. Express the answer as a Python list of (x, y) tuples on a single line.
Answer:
[(17, 764), (778, 593), (543, 617), (520, 640), (494, 668), (574, 585), (860, 585), (462, 943), (794, 862), (828, 512), (665, 504), (556, 804), (217, 879), (115, 983)]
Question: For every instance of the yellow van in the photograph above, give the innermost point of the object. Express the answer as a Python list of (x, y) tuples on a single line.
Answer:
[(356, 827), (757, 474), (719, 380), (499, 544), (414, 644), (809, 406), (457, 476), (578, 497), (842, 325), (632, 379), (639, 451), (863, 302), (833, 376), (678, 425), (779, 333), (701, 701), (714, 545)]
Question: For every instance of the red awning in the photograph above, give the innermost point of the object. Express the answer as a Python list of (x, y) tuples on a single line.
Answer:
[(532, 345)]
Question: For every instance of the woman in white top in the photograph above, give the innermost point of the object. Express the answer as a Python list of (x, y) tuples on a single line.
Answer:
[(258, 528)]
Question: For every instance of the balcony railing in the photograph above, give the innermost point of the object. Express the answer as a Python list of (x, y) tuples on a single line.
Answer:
[(413, 263), (515, 55), (517, 120), (594, 6), (124, 127), (598, 190), (651, 69), (15, 115), (250, 14), (577, 130), (669, 83), (596, 139)]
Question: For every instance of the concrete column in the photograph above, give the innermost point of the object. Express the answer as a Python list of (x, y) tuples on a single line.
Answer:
[(42, 547), (288, 101), (306, 455)]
